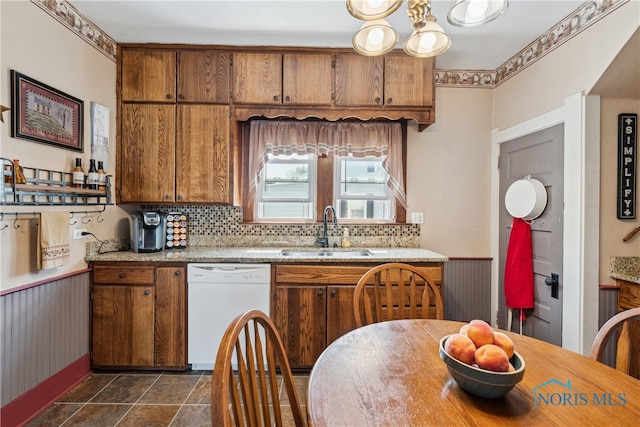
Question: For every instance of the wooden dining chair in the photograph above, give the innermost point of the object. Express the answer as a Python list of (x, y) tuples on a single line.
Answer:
[(244, 387), (625, 328), (395, 291)]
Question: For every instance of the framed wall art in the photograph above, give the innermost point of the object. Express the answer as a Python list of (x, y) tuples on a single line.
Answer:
[(43, 114)]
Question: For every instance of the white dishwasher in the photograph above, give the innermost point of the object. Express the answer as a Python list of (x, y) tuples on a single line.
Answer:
[(218, 293)]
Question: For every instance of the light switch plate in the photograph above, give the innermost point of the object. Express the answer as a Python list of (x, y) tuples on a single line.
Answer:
[(417, 217)]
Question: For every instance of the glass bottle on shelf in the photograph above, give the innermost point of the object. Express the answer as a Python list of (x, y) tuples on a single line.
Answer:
[(92, 177), (8, 174), (78, 174), (102, 176), (20, 179)]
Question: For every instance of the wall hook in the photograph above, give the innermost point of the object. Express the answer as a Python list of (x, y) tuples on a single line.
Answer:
[(86, 216), (71, 217), (15, 223), (100, 219), (1, 219), (35, 217)]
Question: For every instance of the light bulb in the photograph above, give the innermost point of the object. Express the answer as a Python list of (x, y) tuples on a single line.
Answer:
[(427, 41), (375, 36), (374, 4), (477, 8)]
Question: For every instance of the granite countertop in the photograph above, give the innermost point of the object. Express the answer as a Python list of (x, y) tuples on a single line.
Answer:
[(266, 254), (625, 268)]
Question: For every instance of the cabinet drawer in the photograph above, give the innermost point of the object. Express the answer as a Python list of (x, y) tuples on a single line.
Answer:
[(334, 275), (123, 274), (628, 295)]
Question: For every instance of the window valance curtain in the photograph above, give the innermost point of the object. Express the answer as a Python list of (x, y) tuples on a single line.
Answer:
[(357, 139)]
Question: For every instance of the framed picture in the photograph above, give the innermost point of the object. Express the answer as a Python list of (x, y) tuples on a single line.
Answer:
[(41, 113)]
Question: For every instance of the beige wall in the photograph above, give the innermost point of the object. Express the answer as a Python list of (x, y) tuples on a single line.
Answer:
[(35, 44), (448, 174), (612, 230)]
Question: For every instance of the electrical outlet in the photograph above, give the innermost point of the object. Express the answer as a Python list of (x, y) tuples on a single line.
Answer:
[(417, 217), (77, 234)]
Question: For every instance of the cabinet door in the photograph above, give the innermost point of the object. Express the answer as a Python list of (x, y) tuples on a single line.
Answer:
[(148, 75), (358, 80), (203, 159), (122, 325), (307, 78), (203, 76), (257, 78), (299, 315), (408, 81), (340, 318), (147, 153), (170, 333)]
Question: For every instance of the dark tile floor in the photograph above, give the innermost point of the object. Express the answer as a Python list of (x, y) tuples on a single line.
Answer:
[(147, 399)]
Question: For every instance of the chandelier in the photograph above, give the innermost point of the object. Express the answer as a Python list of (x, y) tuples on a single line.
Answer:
[(376, 37)]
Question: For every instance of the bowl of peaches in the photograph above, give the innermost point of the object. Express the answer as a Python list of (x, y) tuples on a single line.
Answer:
[(482, 360)]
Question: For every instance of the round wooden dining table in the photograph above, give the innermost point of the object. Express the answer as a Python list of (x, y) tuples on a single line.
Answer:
[(390, 374)]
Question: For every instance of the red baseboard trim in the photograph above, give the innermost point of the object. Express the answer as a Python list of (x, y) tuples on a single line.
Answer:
[(26, 406)]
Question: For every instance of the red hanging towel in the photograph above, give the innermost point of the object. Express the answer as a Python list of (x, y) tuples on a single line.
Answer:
[(518, 270)]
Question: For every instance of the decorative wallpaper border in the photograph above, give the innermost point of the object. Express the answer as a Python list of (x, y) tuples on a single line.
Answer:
[(586, 15)]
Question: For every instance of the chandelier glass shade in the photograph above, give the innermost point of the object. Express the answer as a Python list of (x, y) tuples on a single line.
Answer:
[(376, 37), (471, 13)]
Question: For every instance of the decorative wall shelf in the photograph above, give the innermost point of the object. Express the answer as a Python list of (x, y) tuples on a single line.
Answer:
[(46, 187)]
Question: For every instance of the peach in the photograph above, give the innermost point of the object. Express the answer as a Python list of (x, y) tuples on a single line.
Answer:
[(463, 329), (480, 332), (504, 342), (460, 347), (492, 358)]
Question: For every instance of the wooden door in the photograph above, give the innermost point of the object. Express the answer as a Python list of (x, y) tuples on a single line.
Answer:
[(541, 156), (147, 153), (148, 75), (408, 81), (203, 159), (307, 79), (203, 76), (257, 78), (300, 316), (358, 80), (122, 325), (340, 318), (171, 317)]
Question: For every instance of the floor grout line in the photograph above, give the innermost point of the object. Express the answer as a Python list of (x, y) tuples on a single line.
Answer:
[(134, 403), (89, 400)]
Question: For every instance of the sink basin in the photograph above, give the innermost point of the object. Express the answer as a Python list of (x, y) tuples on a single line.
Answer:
[(327, 253)]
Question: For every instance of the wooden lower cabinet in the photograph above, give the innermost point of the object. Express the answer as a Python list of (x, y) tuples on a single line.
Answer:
[(312, 305), (138, 316)]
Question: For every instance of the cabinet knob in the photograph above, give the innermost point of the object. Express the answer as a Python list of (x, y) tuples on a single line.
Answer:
[(168, 96), (320, 293), (179, 196), (275, 97), (287, 98), (181, 96), (121, 275), (177, 273), (334, 293), (166, 196), (377, 100), (390, 100), (147, 292)]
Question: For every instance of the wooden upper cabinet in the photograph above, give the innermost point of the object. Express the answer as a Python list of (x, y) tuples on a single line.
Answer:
[(203, 76), (148, 75), (203, 160), (307, 78), (358, 80), (147, 153), (408, 81), (257, 78)]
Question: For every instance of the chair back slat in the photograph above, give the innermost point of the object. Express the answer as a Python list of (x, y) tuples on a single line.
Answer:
[(624, 328)]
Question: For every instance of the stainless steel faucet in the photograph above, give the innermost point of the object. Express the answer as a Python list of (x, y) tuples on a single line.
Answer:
[(324, 240)]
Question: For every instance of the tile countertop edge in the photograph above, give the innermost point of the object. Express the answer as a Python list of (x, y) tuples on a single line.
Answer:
[(262, 254), (625, 268)]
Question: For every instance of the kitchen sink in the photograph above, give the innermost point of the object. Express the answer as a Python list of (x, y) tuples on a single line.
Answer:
[(328, 253)]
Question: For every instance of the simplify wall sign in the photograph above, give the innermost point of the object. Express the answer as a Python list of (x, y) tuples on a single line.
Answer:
[(627, 140)]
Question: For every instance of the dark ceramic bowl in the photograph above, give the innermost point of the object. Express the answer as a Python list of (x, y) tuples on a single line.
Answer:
[(481, 382)]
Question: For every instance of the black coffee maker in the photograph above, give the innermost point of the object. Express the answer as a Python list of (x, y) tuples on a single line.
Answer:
[(147, 231)]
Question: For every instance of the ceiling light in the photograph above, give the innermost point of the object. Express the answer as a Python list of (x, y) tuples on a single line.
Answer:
[(375, 38), (428, 38), (369, 10), (470, 13)]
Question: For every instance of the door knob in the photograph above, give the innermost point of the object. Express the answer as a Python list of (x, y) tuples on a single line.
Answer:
[(553, 282)]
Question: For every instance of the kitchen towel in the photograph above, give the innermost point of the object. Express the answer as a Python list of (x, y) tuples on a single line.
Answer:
[(53, 240), (518, 271)]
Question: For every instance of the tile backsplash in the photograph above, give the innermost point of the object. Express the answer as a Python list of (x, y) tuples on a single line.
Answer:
[(222, 226)]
